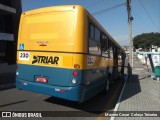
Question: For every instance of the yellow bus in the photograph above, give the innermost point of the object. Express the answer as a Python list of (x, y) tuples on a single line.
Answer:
[(64, 52)]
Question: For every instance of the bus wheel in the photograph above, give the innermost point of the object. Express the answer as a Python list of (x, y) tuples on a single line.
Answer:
[(105, 91)]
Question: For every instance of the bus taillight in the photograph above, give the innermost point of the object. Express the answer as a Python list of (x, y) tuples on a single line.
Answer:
[(17, 67), (75, 74), (17, 73)]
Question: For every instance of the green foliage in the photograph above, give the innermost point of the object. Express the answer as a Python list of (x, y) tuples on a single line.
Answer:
[(146, 40)]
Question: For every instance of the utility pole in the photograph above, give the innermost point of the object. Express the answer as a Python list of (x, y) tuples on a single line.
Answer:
[(130, 18)]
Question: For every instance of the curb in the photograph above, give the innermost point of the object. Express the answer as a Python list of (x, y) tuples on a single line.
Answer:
[(119, 99)]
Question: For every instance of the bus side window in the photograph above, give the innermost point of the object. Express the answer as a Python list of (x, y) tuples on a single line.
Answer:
[(97, 39), (94, 40), (97, 34), (91, 31), (104, 45), (119, 60), (115, 53), (111, 49)]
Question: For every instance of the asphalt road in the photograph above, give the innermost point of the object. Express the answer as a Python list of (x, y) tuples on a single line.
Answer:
[(95, 108)]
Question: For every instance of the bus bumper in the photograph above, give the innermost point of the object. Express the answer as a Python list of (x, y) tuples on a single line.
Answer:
[(75, 93)]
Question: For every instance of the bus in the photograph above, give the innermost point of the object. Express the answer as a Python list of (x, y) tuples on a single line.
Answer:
[(64, 52)]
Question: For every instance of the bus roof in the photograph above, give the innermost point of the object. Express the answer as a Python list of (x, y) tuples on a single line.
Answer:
[(53, 8)]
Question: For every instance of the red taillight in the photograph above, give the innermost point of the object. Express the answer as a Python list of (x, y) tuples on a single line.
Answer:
[(16, 66), (75, 74), (21, 82), (60, 90)]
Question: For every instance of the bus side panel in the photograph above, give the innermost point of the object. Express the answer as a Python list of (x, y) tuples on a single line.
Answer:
[(96, 73), (94, 85), (81, 32)]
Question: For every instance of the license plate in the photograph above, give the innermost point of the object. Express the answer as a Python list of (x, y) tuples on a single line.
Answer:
[(41, 79)]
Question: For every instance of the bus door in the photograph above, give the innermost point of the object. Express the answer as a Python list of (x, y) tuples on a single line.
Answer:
[(113, 62), (115, 66)]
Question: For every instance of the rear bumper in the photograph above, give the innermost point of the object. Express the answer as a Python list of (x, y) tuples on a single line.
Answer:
[(75, 93)]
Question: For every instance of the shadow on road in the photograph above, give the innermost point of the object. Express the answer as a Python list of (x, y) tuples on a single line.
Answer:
[(96, 105), (132, 87), (13, 103), (103, 103)]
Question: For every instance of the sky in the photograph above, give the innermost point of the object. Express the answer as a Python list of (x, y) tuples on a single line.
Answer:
[(146, 14)]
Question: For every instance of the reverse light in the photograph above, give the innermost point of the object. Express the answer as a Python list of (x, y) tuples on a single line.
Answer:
[(74, 81), (75, 74), (17, 73)]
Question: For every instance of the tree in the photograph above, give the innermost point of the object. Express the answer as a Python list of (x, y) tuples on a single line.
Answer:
[(146, 40)]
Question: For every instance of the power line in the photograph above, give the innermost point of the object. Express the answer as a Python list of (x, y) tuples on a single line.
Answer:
[(138, 16), (108, 9), (98, 2), (148, 15)]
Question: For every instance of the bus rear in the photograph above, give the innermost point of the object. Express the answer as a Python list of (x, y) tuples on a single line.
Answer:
[(46, 59)]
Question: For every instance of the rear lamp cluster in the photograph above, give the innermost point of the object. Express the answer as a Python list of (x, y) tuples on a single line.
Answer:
[(17, 73), (75, 74)]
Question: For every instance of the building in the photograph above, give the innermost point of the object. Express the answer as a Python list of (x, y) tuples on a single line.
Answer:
[(155, 48), (10, 11)]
